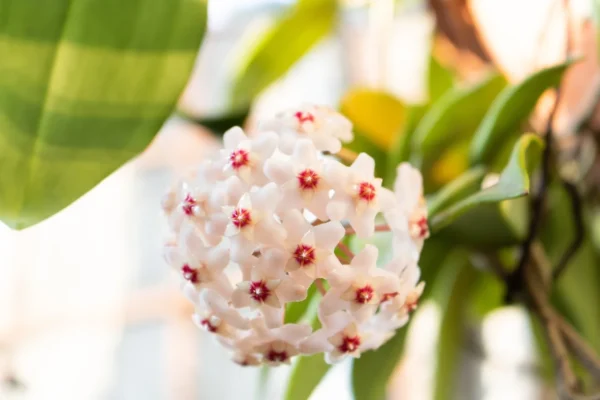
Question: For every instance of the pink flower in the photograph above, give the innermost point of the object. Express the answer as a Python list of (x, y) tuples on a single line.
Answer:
[(301, 179), (358, 194), (244, 157), (359, 287), (322, 125), (310, 248)]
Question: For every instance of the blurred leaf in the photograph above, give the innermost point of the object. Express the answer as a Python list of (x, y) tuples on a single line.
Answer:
[(263, 381), (509, 109), (514, 181), (282, 46), (296, 310), (306, 375), (440, 79), (84, 87), (378, 115), (454, 116), (576, 292), (449, 165), (544, 356), (463, 186), (372, 371), (218, 124), (450, 294), (400, 149), (487, 295)]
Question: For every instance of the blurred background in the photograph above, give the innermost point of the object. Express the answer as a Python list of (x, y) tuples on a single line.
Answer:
[(88, 308)]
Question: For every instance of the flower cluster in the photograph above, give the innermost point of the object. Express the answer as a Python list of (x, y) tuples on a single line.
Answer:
[(266, 218)]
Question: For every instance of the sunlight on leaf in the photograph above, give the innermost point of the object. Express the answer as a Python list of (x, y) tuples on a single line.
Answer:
[(84, 87), (514, 181)]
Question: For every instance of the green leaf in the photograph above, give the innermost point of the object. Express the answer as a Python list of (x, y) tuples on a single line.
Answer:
[(371, 372), (440, 79), (84, 87), (378, 115), (514, 181), (463, 186), (306, 375), (450, 293), (509, 109), (282, 46), (218, 124), (455, 115), (295, 311)]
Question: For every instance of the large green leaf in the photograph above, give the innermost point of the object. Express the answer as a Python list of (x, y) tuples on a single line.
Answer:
[(509, 109), (454, 116), (372, 371), (84, 86), (306, 375), (514, 182), (440, 79), (282, 46)]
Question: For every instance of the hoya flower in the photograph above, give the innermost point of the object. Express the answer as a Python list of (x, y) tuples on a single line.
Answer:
[(409, 213), (326, 128), (252, 220), (358, 194), (244, 157), (310, 248), (301, 179), (214, 315), (199, 266), (359, 287), (271, 216), (269, 285)]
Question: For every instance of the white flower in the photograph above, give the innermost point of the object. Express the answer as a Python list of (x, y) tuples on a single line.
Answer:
[(253, 221), (301, 179), (310, 248), (259, 224), (359, 287), (322, 125), (409, 214), (199, 266), (358, 194), (244, 157), (268, 285)]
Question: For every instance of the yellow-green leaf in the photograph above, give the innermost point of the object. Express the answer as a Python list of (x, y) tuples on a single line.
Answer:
[(306, 375), (84, 87), (378, 115), (514, 181)]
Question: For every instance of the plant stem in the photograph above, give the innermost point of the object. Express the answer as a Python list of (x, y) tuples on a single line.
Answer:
[(378, 228), (320, 286), (349, 255)]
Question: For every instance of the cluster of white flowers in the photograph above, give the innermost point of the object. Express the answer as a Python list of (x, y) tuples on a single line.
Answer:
[(259, 223)]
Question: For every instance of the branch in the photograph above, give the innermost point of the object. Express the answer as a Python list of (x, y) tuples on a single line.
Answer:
[(349, 255), (579, 229), (378, 228), (516, 279)]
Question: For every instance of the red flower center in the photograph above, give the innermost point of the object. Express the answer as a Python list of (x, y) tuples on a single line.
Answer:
[(422, 227), (239, 158), (259, 291), (308, 179), (366, 191), (277, 356), (349, 344), (240, 217), (304, 254), (364, 294), (189, 274), (208, 326), (188, 205), (304, 117), (388, 296)]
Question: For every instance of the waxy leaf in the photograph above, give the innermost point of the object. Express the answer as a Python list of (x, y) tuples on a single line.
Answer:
[(306, 375), (463, 186), (84, 87), (509, 110), (514, 181)]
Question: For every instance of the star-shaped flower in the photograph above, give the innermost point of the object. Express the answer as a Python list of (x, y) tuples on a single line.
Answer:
[(358, 194), (244, 157)]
